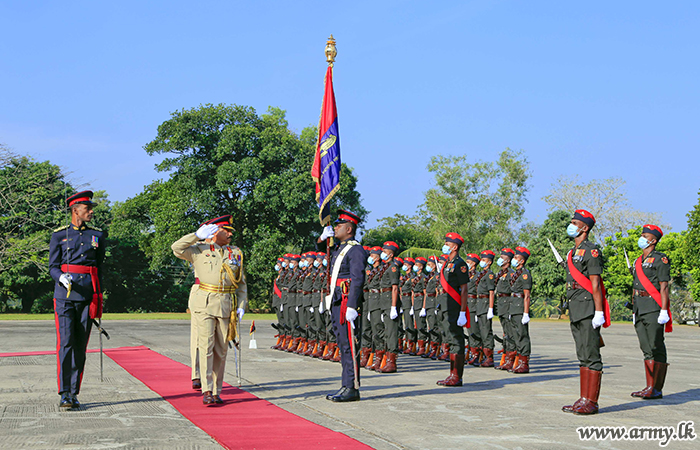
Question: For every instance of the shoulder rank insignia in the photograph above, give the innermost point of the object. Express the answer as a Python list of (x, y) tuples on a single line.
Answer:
[(60, 228), (491, 276), (393, 268), (464, 269), (664, 260), (594, 253), (524, 276)]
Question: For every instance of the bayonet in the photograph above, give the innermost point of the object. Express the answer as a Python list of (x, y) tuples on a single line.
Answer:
[(560, 260), (627, 260)]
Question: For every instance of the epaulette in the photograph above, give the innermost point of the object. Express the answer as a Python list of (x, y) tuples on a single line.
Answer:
[(92, 228), (60, 228)]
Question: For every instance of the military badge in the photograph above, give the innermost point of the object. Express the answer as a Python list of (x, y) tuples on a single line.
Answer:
[(580, 252), (594, 253), (94, 242), (464, 269), (393, 268), (490, 276), (664, 260), (650, 260), (524, 276)]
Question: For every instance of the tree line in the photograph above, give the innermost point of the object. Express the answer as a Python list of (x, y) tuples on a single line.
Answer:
[(227, 159)]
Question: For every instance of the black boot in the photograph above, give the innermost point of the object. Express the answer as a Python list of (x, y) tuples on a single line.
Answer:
[(66, 401), (347, 395)]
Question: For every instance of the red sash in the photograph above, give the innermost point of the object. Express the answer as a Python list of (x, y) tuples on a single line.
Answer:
[(276, 289), (651, 289), (585, 283), (454, 294), (96, 303)]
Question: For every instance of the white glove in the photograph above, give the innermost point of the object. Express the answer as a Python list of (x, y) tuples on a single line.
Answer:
[(436, 311), (369, 315), (462, 321), (207, 231), (327, 233), (311, 309), (598, 319), (393, 314), (489, 315), (240, 312), (525, 319), (410, 313), (66, 280), (423, 312), (382, 317), (351, 314), (476, 318), (321, 306), (634, 320), (663, 317), (281, 307), (296, 309)]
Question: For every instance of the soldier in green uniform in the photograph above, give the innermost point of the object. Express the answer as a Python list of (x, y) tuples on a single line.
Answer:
[(375, 309), (474, 337), (454, 278), (586, 310), (429, 310), (319, 284), (306, 308), (366, 346), (276, 302), (406, 289), (444, 353), (521, 286), (293, 308), (485, 295), (652, 314), (282, 281), (417, 308), (503, 307), (389, 301)]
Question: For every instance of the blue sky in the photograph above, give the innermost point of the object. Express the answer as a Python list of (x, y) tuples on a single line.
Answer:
[(598, 89)]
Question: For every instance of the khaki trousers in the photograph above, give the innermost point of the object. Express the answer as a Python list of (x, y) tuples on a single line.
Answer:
[(212, 333), (194, 353)]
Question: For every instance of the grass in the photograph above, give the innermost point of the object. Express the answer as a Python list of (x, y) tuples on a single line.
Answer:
[(130, 316)]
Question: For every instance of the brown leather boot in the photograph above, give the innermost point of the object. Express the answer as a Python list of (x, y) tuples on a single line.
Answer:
[(456, 371), (406, 348), (383, 362), (390, 364), (320, 346), (474, 356), (401, 345), (657, 382), (515, 362), (336, 354), (431, 350), (445, 355), (311, 348), (523, 365), (293, 344), (378, 357), (510, 359), (370, 361), (488, 358), (364, 356), (301, 348), (279, 339), (649, 372), (328, 352), (589, 405), (583, 379)]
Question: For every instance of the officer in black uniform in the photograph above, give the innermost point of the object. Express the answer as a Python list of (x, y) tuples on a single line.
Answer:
[(346, 300), (652, 310), (454, 279), (586, 310), (76, 253)]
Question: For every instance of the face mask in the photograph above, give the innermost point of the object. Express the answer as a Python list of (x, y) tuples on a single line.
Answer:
[(404, 268), (428, 269), (291, 265), (277, 267), (642, 242), (316, 263), (325, 262), (500, 262), (284, 264), (370, 260), (515, 263), (482, 264), (446, 249), (415, 268), (572, 230), (384, 256)]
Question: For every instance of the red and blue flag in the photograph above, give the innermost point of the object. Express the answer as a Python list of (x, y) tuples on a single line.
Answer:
[(326, 168)]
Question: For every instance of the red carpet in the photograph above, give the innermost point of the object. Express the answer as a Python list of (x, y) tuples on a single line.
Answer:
[(243, 422)]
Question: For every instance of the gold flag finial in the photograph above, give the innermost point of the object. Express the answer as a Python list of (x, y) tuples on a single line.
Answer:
[(331, 52)]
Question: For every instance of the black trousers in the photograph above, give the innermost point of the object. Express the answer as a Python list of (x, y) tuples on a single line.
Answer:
[(651, 336), (587, 341), (343, 333), (73, 327), (456, 332)]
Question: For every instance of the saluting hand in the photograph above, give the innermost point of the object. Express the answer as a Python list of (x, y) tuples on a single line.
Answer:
[(207, 231)]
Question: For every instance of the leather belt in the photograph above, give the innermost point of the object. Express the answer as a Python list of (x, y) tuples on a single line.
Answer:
[(315, 291), (365, 290), (471, 296), (431, 295), (482, 296), (293, 291), (517, 294), (305, 292), (573, 285), (382, 290), (503, 295), (374, 291), (638, 293), (284, 288), (402, 294), (217, 289)]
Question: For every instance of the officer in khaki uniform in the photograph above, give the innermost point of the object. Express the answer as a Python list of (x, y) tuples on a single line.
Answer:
[(219, 268)]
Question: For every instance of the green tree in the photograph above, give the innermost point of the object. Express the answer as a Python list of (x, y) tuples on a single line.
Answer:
[(228, 160), (406, 231), (691, 249), (482, 201)]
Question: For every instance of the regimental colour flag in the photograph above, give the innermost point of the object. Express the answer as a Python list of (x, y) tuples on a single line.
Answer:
[(326, 168), (252, 328)]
